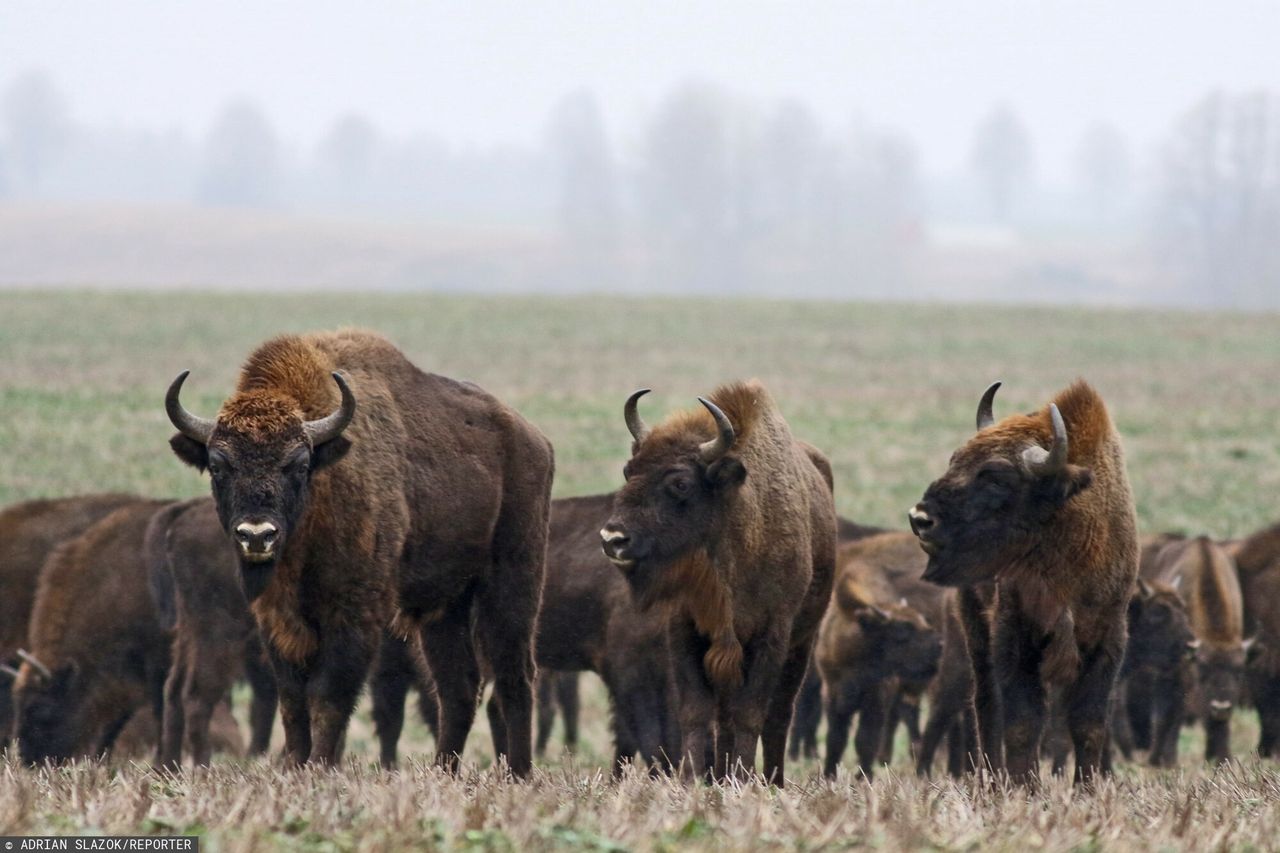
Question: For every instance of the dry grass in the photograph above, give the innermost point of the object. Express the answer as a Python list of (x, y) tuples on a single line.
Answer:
[(887, 391)]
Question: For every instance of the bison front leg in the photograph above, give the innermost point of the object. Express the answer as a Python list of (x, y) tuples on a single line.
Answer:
[(388, 688), (172, 721), (763, 662), (694, 699), (1089, 707), (777, 721), (295, 716), (807, 716), (873, 719), (262, 709), (339, 675), (986, 689), (1022, 698), (842, 703)]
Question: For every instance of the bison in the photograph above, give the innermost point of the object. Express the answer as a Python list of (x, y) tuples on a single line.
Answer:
[(558, 690), (729, 521), (1039, 505), (1258, 564), (195, 582), (97, 651), (1156, 675), (424, 506), (1206, 578), (866, 646), (28, 532)]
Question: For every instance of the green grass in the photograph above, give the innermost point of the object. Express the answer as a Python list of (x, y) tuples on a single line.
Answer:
[(887, 391)]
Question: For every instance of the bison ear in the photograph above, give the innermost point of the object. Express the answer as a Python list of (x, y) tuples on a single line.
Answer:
[(190, 451), (1071, 482), (727, 472), (328, 453)]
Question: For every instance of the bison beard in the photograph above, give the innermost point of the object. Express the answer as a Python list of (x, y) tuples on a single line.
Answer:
[(1040, 505), (729, 522), (423, 508)]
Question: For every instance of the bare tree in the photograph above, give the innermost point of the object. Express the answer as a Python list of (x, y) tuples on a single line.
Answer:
[(1001, 158), (241, 158), (1102, 166), (346, 155), (1221, 198), (36, 127), (588, 203)]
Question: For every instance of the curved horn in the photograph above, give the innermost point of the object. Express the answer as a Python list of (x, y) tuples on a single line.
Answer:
[(9, 671), (985, 418), (712, 450), (331, 426), (635, 424), (193, 427), (1043, 462), (35, 663)]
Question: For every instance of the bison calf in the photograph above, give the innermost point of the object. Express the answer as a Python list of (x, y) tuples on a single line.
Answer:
[(728, 520), (1040, 505)]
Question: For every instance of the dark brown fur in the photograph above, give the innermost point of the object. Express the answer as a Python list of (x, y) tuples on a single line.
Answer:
[(429, 513), (590, 623), (1063, 552), (95, 627), (869, 642), (28, 532), (744, 560), (1205, 577), (195, 579)]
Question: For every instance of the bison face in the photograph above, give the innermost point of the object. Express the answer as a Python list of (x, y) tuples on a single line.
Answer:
[(1160, 635), (1000, 490), (261, 457), (904, 643), (669, 508), (1220, 676), (47, 714)]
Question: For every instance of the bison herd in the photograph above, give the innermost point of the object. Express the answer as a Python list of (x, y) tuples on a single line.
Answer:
[(371, 523)]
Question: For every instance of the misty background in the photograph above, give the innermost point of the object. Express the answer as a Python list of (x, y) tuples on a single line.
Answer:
[(1054, 152)]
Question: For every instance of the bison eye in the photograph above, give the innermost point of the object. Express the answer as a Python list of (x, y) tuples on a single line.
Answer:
[(679, 486)]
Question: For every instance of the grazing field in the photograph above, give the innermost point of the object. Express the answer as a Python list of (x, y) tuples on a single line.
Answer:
[(886, 390)]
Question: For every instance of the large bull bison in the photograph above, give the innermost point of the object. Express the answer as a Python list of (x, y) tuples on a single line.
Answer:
[(1258, 563), (1040, 505), (868, 644), (194, 579), (1206, 579), (97, 651), (589, 622), (730, 521), (28, 532), (425, 504)]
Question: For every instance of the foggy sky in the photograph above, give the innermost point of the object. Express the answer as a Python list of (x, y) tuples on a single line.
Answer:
[(486, 73)]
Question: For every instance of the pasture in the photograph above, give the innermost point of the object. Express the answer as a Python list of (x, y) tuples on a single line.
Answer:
[(887, 391)]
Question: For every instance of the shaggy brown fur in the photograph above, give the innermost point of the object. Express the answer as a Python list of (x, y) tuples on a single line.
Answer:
[(95, 628), (741, 547), (195, 581), (1258, 563), (28, 532), (1062, 549), (1206, 579), (428, 512), (869, 641)]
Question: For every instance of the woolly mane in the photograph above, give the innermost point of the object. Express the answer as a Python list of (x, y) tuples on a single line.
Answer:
[(742, 402), (1089, 428), (286, 378)]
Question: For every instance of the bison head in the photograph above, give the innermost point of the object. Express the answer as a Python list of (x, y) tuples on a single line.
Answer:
[(261, 455), (999, 492), (1220, 678), (896, 640), (48, 711), (1160, 635), (677, 483)]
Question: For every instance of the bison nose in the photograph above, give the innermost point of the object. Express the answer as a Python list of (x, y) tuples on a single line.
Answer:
[(614, 541), (257, 539), (921, 521), (1220, 705)]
